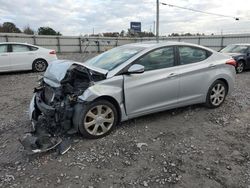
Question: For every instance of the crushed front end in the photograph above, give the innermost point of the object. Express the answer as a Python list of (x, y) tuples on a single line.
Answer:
[(54, 103)]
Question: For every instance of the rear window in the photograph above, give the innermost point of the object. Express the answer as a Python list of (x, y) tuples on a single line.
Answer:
[(32, 48), (190, 54), (235, 49)]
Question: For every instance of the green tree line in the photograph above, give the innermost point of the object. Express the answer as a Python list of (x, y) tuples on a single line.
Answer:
[(9, 27)]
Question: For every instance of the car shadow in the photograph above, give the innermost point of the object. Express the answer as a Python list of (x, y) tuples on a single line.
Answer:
[(17, 72), (160, 115), (150, 117)]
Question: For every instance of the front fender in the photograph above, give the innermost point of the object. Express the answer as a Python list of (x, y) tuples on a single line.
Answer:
[(96, 91), (112, 87)]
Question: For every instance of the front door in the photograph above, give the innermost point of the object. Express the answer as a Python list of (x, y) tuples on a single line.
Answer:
[(4, 58), (157, 88)]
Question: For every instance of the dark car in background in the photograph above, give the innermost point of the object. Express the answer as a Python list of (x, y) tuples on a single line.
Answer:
[(241, 53)]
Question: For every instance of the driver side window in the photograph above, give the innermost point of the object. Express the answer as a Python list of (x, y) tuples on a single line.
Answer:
[(158, 59)]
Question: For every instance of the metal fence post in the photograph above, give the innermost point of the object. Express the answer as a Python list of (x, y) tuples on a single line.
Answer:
[(116, 42), (34, 39), (221, 42), (199, 40), (97, 42), (6, 38), (58, 44), (80, 44)]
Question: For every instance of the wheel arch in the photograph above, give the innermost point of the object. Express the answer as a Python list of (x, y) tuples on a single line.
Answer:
[(242, 60), (78, 108), (208, 102), (225, 82)]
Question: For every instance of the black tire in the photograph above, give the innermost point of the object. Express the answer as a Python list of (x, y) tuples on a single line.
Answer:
[(39, 65), (240, 66), (212, 97), (84, 119)]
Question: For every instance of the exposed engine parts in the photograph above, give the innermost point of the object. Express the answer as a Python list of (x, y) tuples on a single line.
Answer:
[(54, 110)]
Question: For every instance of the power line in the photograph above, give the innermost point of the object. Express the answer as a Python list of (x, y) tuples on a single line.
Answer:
[(203, 12)]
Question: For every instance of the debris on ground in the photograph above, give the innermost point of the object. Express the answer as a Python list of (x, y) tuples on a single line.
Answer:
[(186, 147)]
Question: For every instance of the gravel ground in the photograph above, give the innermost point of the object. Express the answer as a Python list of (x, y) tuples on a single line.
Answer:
[(186, 147)]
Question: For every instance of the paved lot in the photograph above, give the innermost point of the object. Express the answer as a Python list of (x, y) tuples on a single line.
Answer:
[(187, 147)]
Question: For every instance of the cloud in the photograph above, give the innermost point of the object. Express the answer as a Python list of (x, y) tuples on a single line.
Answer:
[(74, 17)]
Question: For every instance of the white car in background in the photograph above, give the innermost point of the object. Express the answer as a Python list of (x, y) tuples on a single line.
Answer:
[(22, 56)]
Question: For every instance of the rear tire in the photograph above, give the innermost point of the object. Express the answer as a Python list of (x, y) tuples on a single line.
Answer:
[(97, 119), (240, 67), (39, 65), (216, 95)]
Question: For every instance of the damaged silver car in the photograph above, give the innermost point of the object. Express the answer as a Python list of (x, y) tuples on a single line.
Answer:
[(126, 82)]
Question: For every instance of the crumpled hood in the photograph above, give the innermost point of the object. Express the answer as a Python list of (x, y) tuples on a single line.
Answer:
[(56, 71)]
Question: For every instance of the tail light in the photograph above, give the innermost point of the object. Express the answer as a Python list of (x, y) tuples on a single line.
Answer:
[(231, 62), (52, 52)]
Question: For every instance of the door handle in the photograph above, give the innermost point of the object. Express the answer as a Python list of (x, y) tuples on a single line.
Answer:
[(211, 66), (30, 53), (171, 75)]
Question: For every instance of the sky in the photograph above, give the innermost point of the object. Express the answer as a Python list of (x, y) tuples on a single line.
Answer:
[(79, 17)]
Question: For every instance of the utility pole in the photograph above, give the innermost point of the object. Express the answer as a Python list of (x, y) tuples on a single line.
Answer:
[(154, 28), (157, 20)]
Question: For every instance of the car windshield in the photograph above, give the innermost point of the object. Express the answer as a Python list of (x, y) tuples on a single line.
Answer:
[(235, 49), (114, 57)]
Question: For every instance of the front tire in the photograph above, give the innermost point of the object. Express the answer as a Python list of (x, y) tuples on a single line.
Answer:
[(97, 119), (240, 67), (216, 94), (39, 65)]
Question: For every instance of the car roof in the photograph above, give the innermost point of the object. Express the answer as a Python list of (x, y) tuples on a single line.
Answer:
[(155, 44), (241, 44), (18, 43)]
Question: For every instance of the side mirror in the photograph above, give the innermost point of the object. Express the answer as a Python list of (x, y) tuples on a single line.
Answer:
[(136, 69)]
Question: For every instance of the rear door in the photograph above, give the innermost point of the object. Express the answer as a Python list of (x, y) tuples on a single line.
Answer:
[(196, 69), (155, 89), (21, 57), (5, 64)]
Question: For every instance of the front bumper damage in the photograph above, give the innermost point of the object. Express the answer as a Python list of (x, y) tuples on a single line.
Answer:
[(54, 105), (47, 132)]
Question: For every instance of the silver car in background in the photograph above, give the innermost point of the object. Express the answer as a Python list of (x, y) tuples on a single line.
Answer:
[(130, 81)]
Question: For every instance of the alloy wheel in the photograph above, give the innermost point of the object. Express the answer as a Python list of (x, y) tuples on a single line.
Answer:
[(218, 94), (240, 67), (40, 66), (99, 120)]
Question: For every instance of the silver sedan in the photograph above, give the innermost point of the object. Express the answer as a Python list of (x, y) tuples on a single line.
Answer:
[(130, 81)]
